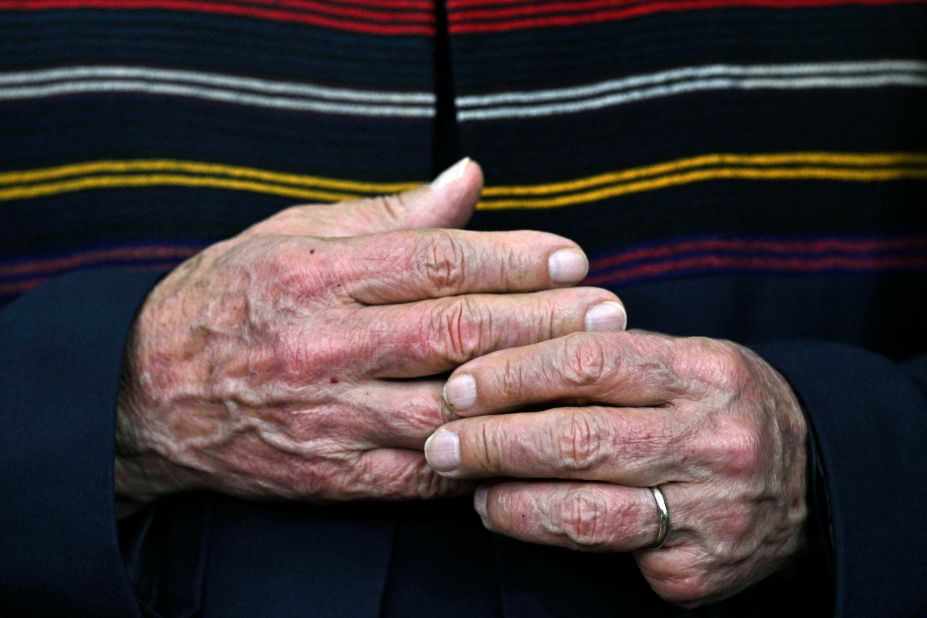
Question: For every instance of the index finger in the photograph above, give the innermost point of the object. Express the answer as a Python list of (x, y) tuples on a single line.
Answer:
[(410, 265), (628, 446)]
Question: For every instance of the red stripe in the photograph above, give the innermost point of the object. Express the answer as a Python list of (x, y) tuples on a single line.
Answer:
[(460, 21), (97, 257), (761, 246), (146, 253), (463, 12), (229, 9), (422, 5), (348, 11), (794, 264), (169, 256), (455, 5), (463, 5)]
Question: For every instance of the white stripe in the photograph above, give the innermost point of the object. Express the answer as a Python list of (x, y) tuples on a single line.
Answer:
[(688, 73), (642, 94), (214, 79), (696, 74), (215, 94)]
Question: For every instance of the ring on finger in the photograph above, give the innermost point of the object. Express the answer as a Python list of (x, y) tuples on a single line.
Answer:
[(663, 511)]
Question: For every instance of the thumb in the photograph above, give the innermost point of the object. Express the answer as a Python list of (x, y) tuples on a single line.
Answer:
[(447, 202)]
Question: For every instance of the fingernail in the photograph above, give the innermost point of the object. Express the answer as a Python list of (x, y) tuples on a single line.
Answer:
[(567, 266), (479, 501), (455, 172), (606, 316), (460, 392), (442, 451)]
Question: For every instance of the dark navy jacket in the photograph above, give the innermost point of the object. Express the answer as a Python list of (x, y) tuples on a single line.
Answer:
[(214, 556)]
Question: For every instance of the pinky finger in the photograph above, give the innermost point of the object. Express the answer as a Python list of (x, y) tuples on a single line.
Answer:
[(594, 517)]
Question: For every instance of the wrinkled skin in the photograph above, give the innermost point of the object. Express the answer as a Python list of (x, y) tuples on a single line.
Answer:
[(708, 421), (293, 361)]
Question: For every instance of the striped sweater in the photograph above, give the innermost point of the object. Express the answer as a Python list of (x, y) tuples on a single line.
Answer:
[(645, 130), (747, 169)]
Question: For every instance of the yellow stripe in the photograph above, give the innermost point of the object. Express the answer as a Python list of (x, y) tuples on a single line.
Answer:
[(109, 182), (788, 173), (193, 167), (727, 159), (853, 167)]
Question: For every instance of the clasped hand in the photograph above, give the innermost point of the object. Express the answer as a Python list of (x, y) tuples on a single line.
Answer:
[(294, 360), (708, 421)]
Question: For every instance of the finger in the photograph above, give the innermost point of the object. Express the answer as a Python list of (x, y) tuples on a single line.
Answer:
[(587, 516), (397, 414), (397, 474), (628, 369), (373, 415), (447, 202), (433, 336), (628, 446), (396, 267)]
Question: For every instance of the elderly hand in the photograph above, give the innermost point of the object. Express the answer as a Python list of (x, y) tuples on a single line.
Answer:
[(709, 422), (288, 361)]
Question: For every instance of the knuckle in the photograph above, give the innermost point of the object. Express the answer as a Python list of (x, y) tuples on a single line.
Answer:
[(511, 379), (424, 483), (490, 449), (417, 417), (724, 364), (582, 444), (735, 372), (731, 449), (371, 478), (583, 516), (584, 360), (547, 322), (462, 328), (739, 450), (394, 207), (442, 261)]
